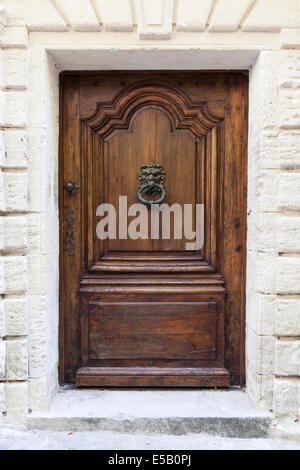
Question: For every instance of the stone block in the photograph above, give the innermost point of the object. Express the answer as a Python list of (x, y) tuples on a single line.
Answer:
[(228, 15), (15, 111), (286, 397), (16, 275), (15, 145), (14, 232), (287, 358), (80, 14), (15, 68), (288, 275), (192, 15), (271, 15), (16, 192), (288, 234), (16, 402), (260, 310), (14, 37), (2, 359), (16, 360), (288, 317), (16, 313), (115, 19)]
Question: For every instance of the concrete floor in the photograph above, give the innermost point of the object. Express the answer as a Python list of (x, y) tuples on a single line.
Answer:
[(18, 438)]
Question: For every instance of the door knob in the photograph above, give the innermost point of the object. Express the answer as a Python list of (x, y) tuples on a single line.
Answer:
[(71, 187)]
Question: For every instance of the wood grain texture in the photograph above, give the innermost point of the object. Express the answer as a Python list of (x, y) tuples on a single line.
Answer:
[(153, 377), (156, 330), (120, 296)]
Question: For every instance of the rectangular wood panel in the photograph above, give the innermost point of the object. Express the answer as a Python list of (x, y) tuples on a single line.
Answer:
[(153, 330), (153, 377)]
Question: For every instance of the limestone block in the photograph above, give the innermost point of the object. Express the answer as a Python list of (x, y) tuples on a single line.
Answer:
[(289, 191), (15, 111), (36, 274), (2, 359), (37, 15), (16, 360), (37, 388), (290, 107), (80, 14), (14, 37), (2, 107), (2, 276), (260, 352), (2, 318), (115, 15), (192, 15), (16, 402), (1, 69), (16, 189), (288, 275), (288, 147), (2, 193), (253, 381), (34, 234), (2, 400), (35, 189), (287, 358), (289, 68), (154, 18), (288, 317), (15, 149), (265, 150), (15, 68), (262, 231), (37, 337), (259, 388), (261, 272), (286, 397), (36, 144), (14, 231), (263, 190), (261, 313), (290, 38), (3, 19), (267, 389), (229, 14), (2, 149), (263, 94), (16, 311), (272, 15), (50, 235), (267, 355), (289, 91), (16, 275), (288, 234)]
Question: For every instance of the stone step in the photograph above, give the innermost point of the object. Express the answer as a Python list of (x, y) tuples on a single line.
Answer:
[(16, 438), (222, 413)]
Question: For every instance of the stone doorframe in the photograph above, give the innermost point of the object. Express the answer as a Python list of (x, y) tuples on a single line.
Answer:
[(29, 206)]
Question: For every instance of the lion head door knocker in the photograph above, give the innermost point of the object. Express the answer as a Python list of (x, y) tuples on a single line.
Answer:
[(151, 177)]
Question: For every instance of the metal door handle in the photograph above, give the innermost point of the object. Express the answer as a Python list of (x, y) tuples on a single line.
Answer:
[(151, 177), (149, 188)]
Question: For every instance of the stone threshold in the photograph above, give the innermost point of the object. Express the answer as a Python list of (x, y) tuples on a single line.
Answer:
[(222, 413)]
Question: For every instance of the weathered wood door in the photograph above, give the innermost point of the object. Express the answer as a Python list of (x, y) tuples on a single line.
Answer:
[(146, 311)]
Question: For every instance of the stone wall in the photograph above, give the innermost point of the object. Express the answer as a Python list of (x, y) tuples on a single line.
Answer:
[(273, 271), (38, 38)]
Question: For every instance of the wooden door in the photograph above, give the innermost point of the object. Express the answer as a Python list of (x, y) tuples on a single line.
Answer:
[(147, 311)]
